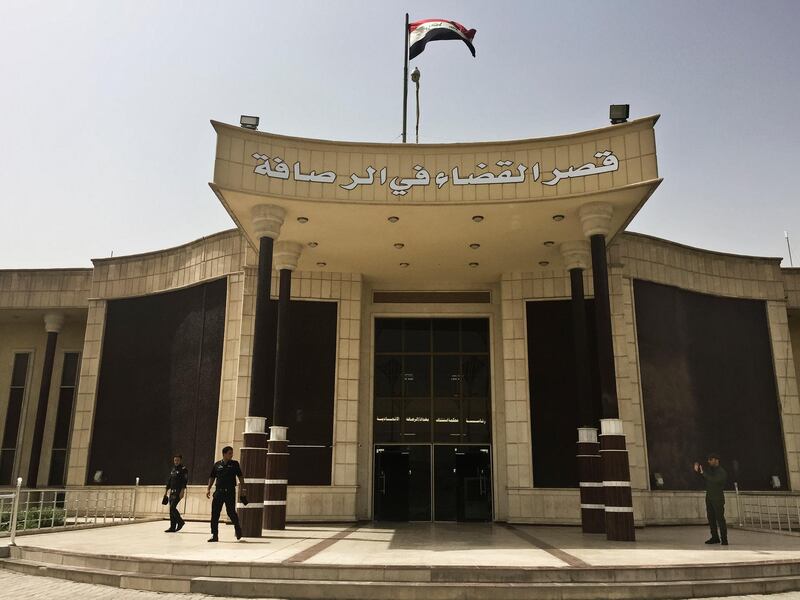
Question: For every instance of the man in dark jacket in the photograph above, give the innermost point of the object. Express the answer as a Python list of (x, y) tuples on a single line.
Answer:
[(715, 479), (176, 488), (225, 472)]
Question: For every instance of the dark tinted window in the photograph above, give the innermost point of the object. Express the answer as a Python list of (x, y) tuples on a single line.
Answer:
[(312, 368), (20, 371), (16, 396), (158, 389), (436, 375), (553, 399), (708, 385)]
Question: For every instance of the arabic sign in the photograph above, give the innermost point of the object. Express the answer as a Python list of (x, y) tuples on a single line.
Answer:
[(276, 168), (286, 167)]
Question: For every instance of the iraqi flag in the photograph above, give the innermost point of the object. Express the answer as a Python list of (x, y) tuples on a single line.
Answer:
[(429, 30)]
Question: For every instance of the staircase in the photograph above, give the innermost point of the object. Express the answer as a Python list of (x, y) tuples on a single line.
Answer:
[(334, 582)]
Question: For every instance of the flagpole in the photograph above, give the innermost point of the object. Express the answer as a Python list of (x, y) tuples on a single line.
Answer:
[(405, 79)]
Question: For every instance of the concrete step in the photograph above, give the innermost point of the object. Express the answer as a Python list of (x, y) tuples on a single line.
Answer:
[(351, 590), (132, 565), (118, 579), (310, 589)]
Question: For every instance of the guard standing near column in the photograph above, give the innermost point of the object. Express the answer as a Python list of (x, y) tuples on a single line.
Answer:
[(176, 488), (715, 477), (225, 472)]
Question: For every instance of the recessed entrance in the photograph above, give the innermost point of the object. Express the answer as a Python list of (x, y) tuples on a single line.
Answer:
[(432, 420)]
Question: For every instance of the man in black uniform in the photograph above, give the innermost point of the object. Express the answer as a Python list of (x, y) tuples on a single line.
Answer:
[(176, 488), (225, 472), (715, 478)]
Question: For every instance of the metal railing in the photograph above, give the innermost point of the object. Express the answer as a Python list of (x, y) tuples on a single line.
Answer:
[(774, 511), (48, 509)]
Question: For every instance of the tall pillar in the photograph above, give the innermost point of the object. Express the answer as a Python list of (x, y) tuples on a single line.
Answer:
[(596, 220), (576, 256), (267, 220), (286, 256)]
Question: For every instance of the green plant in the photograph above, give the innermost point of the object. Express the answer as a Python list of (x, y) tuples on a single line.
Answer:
[(33, 518)]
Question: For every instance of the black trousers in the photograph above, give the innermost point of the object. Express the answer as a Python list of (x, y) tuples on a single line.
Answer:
[(228, 498), (175, 518), (715, 511)]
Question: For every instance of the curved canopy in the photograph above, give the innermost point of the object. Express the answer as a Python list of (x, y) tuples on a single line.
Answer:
[(345, 192)]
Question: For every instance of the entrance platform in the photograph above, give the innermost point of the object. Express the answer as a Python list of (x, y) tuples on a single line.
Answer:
[(410, 561)]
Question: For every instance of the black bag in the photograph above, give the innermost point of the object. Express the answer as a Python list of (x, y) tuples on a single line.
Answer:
[(165, 500), (243, 499)]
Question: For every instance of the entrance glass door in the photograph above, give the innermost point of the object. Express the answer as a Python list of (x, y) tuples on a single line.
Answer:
[(402, 483), (463, 483), (432, 420)]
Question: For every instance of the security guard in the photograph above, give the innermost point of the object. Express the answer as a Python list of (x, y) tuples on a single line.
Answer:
[(176, 488), (225, 472), (715, 478)]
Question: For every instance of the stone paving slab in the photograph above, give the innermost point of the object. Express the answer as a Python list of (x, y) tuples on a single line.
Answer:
[(424, 544)]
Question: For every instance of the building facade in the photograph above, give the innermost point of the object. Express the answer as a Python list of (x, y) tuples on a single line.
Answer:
[(429, 372)]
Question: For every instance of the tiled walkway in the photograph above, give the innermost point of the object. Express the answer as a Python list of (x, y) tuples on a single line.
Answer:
[(426, 544)]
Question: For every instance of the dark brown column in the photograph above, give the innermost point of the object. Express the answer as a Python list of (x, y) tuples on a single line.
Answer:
[(278, 455), (253, 462), (261, 338), (588, 448), (53, 324), (253, 455), (267, 220), (577, 258), (614, 455)]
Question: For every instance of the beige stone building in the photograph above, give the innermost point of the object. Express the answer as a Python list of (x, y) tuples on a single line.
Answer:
[(430, 369)]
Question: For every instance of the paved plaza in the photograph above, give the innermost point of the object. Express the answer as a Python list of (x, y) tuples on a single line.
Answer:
[(375, 561), (424, 544)]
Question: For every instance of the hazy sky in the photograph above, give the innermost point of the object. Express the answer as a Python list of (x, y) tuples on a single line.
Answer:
[(106, 144)]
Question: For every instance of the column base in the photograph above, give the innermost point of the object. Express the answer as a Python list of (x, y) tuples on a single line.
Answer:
[(593, 518), (616, 482), (276, 483), (253, 458), (619, 526)]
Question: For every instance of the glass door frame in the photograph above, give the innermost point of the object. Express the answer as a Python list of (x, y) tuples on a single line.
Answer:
[(493, 317), (433, 474)]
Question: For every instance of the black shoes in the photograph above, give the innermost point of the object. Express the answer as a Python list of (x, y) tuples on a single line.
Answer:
[(213, 539), (238, 535), (170, 530), (724, 542), (180, 526), (713, 540)]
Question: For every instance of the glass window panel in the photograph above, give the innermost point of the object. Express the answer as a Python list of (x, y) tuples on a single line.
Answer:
[(475, 376), (445, 483), (447, 376), (388, 376), (69, 373), (20, 370), (420, 483), (417, 376), (445, 335), (417, 334), (447, 420), (6, 465), (417, 420), (475, 335), (57, 463), (388, 420), (12, 417), (388, 335), (477, 422), (63, 417)]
